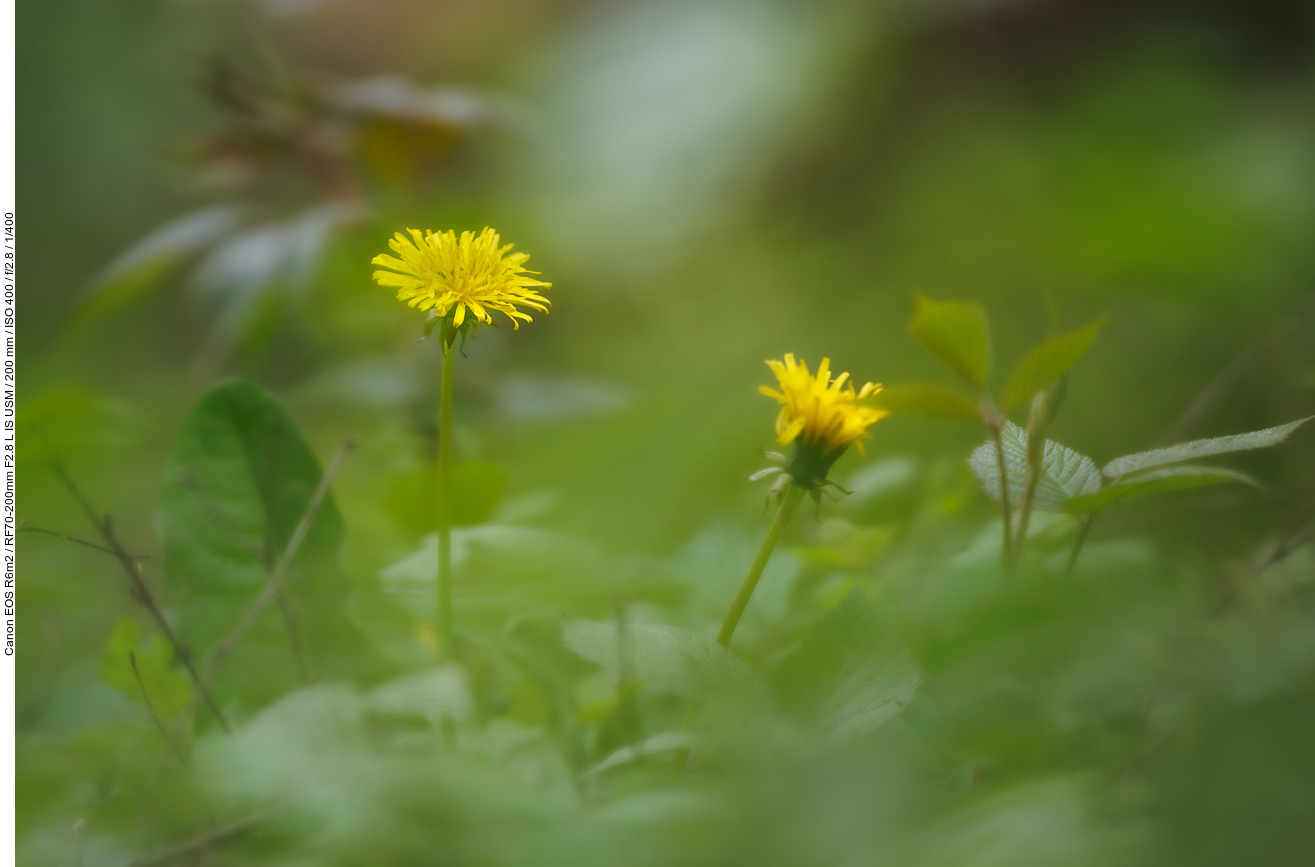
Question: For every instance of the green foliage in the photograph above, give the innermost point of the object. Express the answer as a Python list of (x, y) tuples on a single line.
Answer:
[(898, 692), (663, 658), (1071, 483), (1201, 448), (1065, 473), (1154, 482), (237, 484), (144, 672), (956, 332), (239, 481), (849, 675), (1046, 363)]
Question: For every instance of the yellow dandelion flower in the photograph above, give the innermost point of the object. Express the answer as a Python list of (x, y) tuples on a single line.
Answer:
[(822, 416), (470, 273)]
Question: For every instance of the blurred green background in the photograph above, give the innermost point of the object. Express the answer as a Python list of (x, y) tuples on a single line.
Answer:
[(706, 184)]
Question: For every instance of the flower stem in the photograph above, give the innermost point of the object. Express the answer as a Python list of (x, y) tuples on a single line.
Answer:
[(444, 511), (793, 494)]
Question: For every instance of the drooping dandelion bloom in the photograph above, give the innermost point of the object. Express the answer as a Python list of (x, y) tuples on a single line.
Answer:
[(471, 274), (821, 416)]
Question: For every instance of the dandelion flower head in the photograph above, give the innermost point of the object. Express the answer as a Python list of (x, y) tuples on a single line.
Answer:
[(822, 416), (470, 274)]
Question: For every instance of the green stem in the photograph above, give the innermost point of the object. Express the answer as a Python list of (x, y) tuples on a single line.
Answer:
[(1084, 524), (1006, 550), (445, 637), (793, 494), (1036, 450)]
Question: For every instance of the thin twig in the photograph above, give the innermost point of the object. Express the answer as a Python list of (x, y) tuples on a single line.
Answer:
[(275, 583), (138, 588), (189, 483), (75, 540), (201, 841), (150, 708)]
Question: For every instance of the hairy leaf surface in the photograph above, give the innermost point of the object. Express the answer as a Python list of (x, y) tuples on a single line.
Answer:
[(1189, 451), (1065, 473)]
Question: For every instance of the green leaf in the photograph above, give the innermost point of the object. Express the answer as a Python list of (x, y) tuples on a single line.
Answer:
[(956, 332), (1202, 448), (237, 484), (928, 399), (528, 636), (1153, 482), (1048, 362), (1065, 473), (167, 691), (663, 658), (849, 675)]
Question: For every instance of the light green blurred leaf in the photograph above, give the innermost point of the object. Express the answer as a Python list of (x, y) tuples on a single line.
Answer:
[(167, 691), (527, 635), (1154, 482), (663, 658), (850, 674), (1046, 363), (957, 333), (1201, 448), (658, 744), (928, 399), (433, 695), (142, 266), (1065, 473)]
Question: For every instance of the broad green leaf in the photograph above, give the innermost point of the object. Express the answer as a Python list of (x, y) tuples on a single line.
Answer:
[(1153, 482), (849, 675), (1046, 363), (237, 484), (1201, 448), (928, 399), (154, 683), (956, 332), (1065, 473)]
